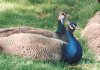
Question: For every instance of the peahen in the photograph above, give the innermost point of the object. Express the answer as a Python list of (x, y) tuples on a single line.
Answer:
[(72, 52), (60, 32)]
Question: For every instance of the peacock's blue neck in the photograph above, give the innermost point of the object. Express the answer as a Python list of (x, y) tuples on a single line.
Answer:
[(61, 28), (70, 36)]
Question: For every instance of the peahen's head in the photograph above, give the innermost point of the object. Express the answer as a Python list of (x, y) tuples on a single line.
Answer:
[(72, 26), (62, 17)]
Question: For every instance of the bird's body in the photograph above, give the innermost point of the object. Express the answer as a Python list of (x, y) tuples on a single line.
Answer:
[(33, 46), (72, 52)]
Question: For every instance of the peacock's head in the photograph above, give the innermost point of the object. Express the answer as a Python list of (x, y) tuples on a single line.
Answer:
[(72, 26), (62, 16)]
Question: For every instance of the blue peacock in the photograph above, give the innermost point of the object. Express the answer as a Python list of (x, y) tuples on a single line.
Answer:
[(72, 51)]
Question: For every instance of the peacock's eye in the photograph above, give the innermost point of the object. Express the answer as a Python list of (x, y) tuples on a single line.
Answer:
[(71, 26)]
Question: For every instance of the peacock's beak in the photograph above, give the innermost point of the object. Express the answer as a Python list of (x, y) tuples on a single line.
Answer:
[(77, 28)]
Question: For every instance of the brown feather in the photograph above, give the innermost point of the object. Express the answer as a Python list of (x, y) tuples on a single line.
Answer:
[(15, 30)]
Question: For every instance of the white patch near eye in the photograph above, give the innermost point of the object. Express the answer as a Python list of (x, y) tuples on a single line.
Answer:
[(70, 27), (74, 26)]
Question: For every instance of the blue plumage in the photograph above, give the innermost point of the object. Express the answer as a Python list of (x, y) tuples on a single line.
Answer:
[(72, 52)]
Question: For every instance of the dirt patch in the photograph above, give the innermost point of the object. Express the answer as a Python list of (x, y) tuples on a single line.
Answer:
[(92, 33)]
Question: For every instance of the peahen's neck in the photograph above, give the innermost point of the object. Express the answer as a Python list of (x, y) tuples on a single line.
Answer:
[(61, 28)]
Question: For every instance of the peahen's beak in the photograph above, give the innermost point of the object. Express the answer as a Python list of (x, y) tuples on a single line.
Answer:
[(65, 14)]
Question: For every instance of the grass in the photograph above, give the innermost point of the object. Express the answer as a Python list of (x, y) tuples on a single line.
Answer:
[(43, 14)]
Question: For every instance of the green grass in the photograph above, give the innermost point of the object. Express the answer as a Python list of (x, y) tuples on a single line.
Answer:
[(43, 14)]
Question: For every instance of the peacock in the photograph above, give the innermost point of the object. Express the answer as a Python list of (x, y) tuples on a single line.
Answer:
[(72, 51), (60, 32)]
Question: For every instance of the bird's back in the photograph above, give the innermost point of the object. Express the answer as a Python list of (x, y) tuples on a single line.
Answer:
[(33, 46)]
